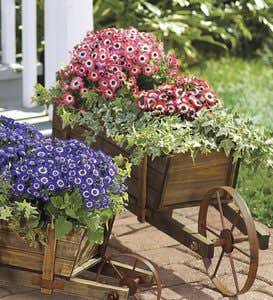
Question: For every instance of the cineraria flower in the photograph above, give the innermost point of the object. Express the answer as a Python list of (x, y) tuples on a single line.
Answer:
[(49, 166), (185, 97), (104, 59)]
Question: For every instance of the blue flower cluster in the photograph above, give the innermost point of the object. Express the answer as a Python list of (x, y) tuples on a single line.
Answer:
[(43, 167), (15, 140)]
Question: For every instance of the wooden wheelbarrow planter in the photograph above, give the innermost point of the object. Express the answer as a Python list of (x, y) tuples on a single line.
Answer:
[(159, 186), (72, 265)]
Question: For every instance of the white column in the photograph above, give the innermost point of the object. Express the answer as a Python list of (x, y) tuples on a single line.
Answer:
[(75, 18), (51, 25), (8, 39), (66, 23), (29, 50)]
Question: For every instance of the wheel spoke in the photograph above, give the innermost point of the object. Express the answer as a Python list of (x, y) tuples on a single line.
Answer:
[(240, 239), (218, 264), (235, 221), (221, 210), (242, 251), (116, 270), (134, 267), (212, 231), (234, 273)]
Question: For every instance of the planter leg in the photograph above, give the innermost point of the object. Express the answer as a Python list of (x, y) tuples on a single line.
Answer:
[(49, 262), (142, 190)]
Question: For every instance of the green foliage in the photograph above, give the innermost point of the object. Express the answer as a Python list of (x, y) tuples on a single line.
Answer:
[(193, 28), (247, 86), (141, 133), (22, 217)]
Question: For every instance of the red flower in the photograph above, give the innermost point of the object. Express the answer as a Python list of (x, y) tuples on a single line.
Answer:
[(68, 99)]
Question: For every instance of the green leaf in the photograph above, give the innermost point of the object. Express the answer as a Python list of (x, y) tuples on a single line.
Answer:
[(58, 201), (152, 8), (227, 145), (62, 226), (96, 236), (5, 213)]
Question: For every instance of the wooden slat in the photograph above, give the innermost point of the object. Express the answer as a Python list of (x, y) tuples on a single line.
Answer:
[(95, 290), (86, 251), (49, 259), (88, 264), (189, 182), (75, 287), (67, 247), (27, 260), (66, 250)]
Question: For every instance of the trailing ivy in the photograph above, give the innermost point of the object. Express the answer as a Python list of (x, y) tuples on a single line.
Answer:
[(141, 133)]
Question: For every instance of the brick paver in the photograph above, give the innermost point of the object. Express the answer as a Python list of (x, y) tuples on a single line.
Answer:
[(182, 272)]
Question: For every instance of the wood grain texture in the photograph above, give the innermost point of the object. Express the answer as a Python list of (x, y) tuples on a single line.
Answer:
[(187, 181), (75, 287), (49, 259), (71, 251)]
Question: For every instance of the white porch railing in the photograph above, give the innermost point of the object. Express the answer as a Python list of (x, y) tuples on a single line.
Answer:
[(66, 22)]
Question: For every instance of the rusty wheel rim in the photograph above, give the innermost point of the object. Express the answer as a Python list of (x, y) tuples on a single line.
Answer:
[(128, 278), (228, 242)]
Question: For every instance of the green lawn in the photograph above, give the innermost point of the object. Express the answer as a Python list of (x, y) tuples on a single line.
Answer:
[(247, 86)]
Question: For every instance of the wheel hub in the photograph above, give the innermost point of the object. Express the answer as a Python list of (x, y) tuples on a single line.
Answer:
[(227, 240)]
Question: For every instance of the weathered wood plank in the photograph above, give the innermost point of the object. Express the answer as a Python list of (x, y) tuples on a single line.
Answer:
[(66, 248), (95, 290), (188, 181), (75, 287), (49, 259), (28, 260)]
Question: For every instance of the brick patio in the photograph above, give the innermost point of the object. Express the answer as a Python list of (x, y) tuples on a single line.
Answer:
[(182, 272)]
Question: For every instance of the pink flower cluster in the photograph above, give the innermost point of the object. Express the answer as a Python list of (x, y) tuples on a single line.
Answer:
[(104, 60), (185, 97), (107, 59)]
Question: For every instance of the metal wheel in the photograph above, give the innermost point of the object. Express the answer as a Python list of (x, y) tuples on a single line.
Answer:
[(142, 273), (234, 265)]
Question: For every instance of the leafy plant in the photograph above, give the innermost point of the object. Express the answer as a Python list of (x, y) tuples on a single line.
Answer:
[(65, 183), (193, 28)]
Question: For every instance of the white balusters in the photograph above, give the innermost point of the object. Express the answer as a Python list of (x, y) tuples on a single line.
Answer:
[(66, 23), (8, 40), (29, 50)]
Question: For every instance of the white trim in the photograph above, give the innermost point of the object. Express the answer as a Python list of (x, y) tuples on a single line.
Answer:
[(29, 50), (8, 28)]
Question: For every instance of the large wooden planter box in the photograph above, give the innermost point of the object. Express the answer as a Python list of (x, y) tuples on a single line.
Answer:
[(172, 181), (72, 252)]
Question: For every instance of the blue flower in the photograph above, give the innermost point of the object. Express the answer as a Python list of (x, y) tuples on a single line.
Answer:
[(40, 167)]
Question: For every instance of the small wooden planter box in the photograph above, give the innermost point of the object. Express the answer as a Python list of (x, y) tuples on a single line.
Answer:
[(73, 266), (72, 252), (172, 181)]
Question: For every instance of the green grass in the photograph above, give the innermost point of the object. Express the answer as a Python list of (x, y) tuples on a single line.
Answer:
[(247, 87)]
